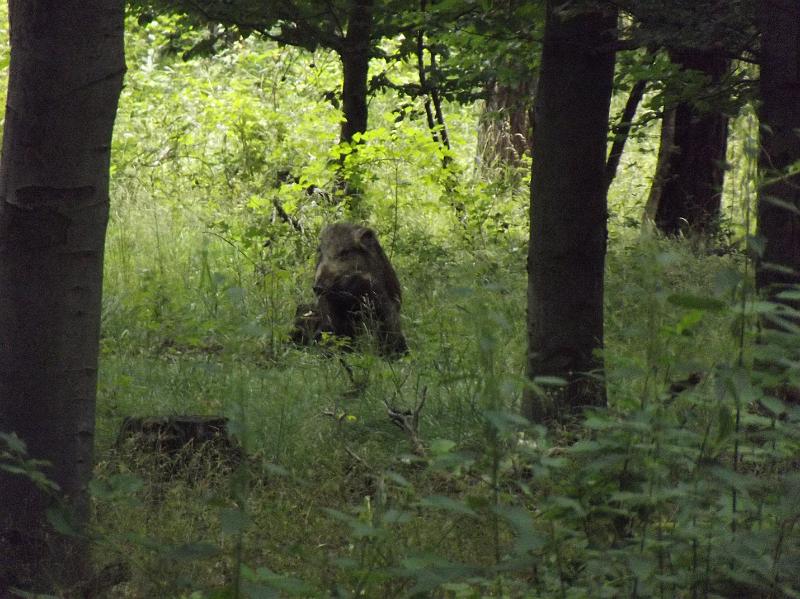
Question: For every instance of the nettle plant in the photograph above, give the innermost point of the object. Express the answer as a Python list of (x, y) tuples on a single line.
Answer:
[(692, 490)]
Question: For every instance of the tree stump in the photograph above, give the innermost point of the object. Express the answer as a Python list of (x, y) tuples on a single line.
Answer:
[(180, 442)]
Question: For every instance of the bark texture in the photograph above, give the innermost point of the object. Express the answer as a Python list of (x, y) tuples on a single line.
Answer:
[(779, 225), (567, 248), (665, 148), (504, 128), (623, 129), (355, 54), (433, 101), (66, 70), (688, 196)]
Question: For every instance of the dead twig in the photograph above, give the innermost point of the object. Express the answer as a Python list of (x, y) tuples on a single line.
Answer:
[(408, 421), (357, 458), (286, 217)]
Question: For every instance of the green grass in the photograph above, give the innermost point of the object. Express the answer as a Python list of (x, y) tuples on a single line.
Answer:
[(200, 289)]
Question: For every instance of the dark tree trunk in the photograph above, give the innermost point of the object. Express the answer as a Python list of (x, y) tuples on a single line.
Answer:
[(779, 225), (504, 129), (567, 248), (437, 105), (355, 54), (67, 64), (665, 149), (690, 193), (423, 82), (623, 129), (432, 99)]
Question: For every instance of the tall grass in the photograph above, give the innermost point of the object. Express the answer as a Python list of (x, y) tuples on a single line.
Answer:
[(202, 277)]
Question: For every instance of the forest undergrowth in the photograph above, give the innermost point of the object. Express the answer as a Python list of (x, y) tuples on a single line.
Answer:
[(685, 486)]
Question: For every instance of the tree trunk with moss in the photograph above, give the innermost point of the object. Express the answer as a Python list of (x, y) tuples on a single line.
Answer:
[(66, 70)]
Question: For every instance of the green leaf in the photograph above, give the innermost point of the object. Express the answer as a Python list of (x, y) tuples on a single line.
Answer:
[(14, 443), (61, 521), (431, 571), (477, 502), (345, 563), (527, 537), (667, 258), (359, 528), (774, 405), (599, 422), (117, 486), (780, 203), (505, 421), (695, 302), (13, 469), (726, 280), (642, 566), (396, 478), (789, 294), (235, 294), (441, 502), (285, 584), (192, 551), (225, 592), (392, 517), (233, 521), (277, 470), (726, 423), (442, 446), (689, 321), (737, 381), (570, 504)]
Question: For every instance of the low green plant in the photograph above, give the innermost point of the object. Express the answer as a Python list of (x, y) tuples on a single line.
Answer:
[(415, 477)]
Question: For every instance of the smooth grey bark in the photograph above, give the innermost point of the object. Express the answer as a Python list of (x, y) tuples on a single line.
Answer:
[(779, 114), (66, 70), (566, 256)]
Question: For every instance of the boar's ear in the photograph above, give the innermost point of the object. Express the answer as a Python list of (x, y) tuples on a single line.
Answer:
[(366, 237)]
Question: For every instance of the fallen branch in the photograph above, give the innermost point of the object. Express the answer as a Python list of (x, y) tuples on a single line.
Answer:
[(408, 421)]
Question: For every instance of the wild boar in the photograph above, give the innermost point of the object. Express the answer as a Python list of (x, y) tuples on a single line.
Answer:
[(357, 291)]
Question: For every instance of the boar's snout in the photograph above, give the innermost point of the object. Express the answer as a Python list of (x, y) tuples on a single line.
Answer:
[(323, 280), (352, 285)]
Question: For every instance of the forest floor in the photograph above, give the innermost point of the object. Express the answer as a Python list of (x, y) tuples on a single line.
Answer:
[(333, 498)]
